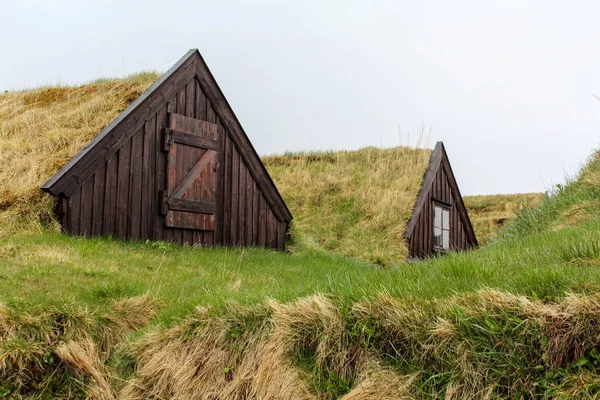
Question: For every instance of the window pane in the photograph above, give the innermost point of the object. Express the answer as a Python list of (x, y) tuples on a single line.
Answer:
[(437, 237), (437, 218), (446, 220), (446, 239)]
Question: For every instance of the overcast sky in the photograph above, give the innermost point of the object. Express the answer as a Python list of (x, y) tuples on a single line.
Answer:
[(507, 85)]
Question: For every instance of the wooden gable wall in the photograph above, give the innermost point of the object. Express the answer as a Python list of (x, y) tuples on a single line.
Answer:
[(439, 185), (121, 197)]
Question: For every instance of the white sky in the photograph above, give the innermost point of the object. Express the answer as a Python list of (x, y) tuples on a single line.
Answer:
[(507, 85)]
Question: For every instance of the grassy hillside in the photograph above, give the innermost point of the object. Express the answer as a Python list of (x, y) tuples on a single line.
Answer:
[(489, 212), (355, 203), (105, 319)]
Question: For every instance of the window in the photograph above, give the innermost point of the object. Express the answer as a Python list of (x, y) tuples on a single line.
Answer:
[(441, 228)]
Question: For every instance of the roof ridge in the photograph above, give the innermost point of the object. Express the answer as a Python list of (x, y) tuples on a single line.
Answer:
[(47, 186)]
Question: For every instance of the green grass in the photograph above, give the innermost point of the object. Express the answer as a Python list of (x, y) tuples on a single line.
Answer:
[(517, 318), (489, 212), (102, 318), (44, 270)]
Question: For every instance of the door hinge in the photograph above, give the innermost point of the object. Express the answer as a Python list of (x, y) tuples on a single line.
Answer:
[(167, 139), (163, 206)]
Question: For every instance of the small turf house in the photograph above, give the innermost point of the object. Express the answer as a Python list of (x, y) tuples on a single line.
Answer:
[(176, 165), (439, 221), (379, 205)]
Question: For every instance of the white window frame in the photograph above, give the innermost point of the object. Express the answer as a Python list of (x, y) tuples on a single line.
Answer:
[(441, 224)]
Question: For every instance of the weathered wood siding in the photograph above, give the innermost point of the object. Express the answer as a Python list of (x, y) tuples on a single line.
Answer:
[(444, 190), (121, 197)]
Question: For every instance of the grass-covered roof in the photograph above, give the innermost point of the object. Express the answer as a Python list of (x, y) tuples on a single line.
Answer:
[(355, 203), (42, 129)]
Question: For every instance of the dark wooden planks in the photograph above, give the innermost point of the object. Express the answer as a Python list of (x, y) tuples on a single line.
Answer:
[(439, 186), (250, 157), (281, 233), (186, 176), (122, 201), (235, 167), (122, 196), (255, 213), (262, 216), (191, 180), (160, 174), (180, 108), (455, 230), (249, 211), (195, 141), (74, 211), (87, 201), (183, 221), (427, 238), (220, 190), (134, 214), (98, 201), (227, 179), (190, 98), (195, 206), (241, 225), (210, 238), (193, 126), (110, 195), (271, 229), (148, 171), (188, 234), (200, 102)]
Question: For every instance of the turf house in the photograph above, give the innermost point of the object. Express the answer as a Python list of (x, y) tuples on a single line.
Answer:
[(380, 205), (439, 222), (175, 165)]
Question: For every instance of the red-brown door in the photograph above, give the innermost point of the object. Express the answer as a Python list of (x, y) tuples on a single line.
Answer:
[(192, 162)]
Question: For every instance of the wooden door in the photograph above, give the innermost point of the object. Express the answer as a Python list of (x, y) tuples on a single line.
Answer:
[(192, 162)]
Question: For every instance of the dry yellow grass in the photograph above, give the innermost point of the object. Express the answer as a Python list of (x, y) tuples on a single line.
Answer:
[(315, 347), (74, 340), (577, 214), (245, 357), (84, 357), (377, 382), (489, 212), (41, 129), (255, 352), (356, 203)]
